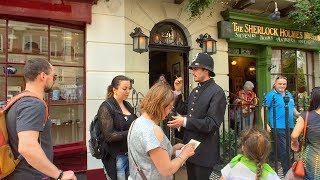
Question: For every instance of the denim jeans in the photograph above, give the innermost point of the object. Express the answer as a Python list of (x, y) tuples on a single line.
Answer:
[(122, 167), (281, 146)]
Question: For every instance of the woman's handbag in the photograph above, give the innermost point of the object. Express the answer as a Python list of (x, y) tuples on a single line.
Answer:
[(298, 166)]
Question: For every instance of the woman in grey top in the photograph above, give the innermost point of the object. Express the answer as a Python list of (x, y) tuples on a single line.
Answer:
[(147, 143)]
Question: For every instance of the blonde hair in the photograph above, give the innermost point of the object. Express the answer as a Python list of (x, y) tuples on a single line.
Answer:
[(256, 146), (156, 100)]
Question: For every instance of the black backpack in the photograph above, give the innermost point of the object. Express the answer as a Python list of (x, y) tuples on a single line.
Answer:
[(95, 143)]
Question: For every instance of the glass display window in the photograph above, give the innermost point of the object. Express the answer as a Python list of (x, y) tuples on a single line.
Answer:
[(67, 46), (297, 66), (64, 49)]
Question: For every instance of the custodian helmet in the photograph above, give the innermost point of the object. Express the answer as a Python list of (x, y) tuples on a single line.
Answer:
[(203, 60)]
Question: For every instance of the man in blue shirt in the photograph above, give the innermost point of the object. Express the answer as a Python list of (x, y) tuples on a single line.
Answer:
[(277, 93)]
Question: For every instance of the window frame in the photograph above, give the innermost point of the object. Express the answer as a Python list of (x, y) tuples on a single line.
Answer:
[(306, 74)]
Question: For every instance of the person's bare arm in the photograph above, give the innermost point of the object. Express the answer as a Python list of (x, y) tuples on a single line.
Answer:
[(221, 178), (262, 118), (296, 112), (297, 130), (31, 150), (161, 158)]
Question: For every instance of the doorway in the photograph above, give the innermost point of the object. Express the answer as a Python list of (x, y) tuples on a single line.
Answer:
[(241, 69), (168, 64)]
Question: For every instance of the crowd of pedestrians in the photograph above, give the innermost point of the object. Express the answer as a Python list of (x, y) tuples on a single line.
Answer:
[(137, 148)]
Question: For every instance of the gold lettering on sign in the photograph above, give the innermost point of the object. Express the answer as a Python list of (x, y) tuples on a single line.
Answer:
[(237, 28), (245, 31)]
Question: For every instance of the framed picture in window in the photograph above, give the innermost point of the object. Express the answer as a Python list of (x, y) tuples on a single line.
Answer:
[(176, 71)]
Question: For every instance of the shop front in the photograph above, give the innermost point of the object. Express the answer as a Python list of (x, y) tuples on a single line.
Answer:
[(54, 31), (259, 50)]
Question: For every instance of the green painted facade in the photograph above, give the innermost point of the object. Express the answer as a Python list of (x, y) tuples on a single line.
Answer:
[(259, 32)]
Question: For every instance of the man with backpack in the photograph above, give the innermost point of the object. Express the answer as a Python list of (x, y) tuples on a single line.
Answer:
[(28, 135)]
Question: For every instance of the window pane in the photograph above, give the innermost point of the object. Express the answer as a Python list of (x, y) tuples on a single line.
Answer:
[(310, 64), (67, 124), (66, 46), (276, 62), (2, 88), (301, 71), (24, 40), (288, 61), (233, 50), (311, 85), (68, 87), (2, 40)]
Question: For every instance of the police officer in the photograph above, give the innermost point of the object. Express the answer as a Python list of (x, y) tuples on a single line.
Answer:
[(204, 113)]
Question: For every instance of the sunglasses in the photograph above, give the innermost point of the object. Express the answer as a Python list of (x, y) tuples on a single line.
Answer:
[(281, 77), (54, 77)]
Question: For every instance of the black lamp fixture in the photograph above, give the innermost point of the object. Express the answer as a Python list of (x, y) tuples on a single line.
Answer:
[(275, 16), (208, 44), (140, 40)]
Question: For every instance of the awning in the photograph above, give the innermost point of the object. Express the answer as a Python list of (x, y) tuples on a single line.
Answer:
[(62, 10)]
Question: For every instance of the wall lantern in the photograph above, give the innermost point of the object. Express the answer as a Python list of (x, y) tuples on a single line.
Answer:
[(233, 62), (275, 16), (207, 44), (140, 41)]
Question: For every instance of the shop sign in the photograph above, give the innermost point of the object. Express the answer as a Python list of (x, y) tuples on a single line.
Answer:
[(257, 34)]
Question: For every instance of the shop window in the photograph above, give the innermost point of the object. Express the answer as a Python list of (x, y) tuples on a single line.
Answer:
[(168, 34), (66, 53), (1, 43), (27, 43), (297, 66), (53, 49), (246, 51), (233, 50)]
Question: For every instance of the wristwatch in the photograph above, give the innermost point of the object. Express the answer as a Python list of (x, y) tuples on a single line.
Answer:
[(60, 175)]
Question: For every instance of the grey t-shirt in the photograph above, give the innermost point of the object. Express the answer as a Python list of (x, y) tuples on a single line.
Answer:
[(28, 114), (141, 140)]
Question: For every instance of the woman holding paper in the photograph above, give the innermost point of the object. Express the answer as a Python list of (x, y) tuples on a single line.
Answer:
[(149, 148)]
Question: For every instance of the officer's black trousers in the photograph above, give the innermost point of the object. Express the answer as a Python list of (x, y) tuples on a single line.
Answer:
[(196, 172)]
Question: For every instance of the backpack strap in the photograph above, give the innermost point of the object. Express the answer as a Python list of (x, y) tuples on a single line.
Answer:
[(28, 94)]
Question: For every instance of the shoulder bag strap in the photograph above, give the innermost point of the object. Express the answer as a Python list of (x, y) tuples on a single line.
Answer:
[(143, 176), (304, 134)]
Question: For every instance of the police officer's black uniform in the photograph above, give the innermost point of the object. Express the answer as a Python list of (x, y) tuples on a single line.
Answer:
[(205, 111)]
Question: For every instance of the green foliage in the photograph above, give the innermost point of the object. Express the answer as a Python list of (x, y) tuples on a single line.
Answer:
[(307, 15), (229, 145), (197, 7)]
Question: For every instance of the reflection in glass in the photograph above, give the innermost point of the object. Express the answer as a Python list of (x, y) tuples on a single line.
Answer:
[(2, 40), (24, 41), (276, 62), (296, 66), (301, 71), (2, 89), (69, 85), (66, 46)]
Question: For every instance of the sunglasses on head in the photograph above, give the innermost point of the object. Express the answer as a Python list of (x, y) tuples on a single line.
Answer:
[(281, 77)]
